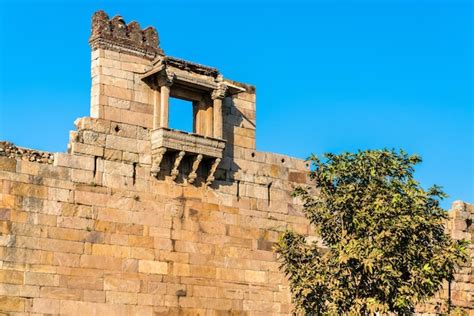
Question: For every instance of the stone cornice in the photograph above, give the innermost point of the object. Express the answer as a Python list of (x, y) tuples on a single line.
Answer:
[(220, 92), (166, 78), (190, 66), (188, 142)]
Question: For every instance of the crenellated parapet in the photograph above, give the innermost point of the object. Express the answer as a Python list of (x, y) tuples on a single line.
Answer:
[(114, 34)]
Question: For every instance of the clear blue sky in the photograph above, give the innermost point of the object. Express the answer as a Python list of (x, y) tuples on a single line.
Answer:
[(331, 76)]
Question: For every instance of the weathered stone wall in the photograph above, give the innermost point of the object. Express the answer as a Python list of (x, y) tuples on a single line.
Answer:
[(92, 234), (93, 231), (460, 293), (96, 233)]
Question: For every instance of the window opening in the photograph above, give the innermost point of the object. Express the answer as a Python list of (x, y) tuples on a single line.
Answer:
[(181, 115)]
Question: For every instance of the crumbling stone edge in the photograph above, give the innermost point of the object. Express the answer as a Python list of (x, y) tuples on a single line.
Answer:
[(9, 150)]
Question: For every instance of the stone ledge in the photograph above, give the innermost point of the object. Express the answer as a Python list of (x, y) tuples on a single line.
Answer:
[(174, 140)]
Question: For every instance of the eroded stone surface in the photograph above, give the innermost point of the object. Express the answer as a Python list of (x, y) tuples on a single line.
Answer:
[(9, 150)]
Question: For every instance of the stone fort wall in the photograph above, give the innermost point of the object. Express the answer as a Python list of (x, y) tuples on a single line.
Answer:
[(139, 219)]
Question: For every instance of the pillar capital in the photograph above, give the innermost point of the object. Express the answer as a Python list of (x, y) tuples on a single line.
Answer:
[(166, 78), (220, 92)]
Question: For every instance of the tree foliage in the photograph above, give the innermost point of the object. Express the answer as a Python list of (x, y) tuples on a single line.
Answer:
[(384, 244)]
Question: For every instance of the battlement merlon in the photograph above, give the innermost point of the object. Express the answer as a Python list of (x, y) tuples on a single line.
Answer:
[(114, 34)]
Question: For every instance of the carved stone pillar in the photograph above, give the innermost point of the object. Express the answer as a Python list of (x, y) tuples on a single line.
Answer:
[(200, 118), (156, 108), (217, 96), (165, 80), (209, 125)]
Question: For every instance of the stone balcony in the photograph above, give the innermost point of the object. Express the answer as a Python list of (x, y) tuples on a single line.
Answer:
[(178, 145)]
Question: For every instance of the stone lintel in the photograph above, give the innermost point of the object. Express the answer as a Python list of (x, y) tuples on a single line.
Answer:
[(181, 78), (191, 67)]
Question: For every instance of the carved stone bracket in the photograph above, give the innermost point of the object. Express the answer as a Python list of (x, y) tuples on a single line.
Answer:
[(210, 178), (220, 92), (157, 158), (179, 145), (193, 174), (166, 78), (177, 162)]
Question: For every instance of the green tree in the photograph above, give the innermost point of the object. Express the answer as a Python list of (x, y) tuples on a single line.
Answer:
[(384, 247)]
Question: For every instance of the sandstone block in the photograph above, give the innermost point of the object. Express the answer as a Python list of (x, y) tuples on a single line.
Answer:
[(43, 279), (29, 190), (82, 176), (12, 304), (181, 269), (118, 168), (118, 103), (78, 223), (61, 246), (117, 92), (121, 284), (231, 274), (28, 167), (60, 293), (174, 256), (141, 241), (101, 262), (93, 138), (133, 67), (18, 216), (113, 81), (114, 215), (110, 251), (121, 143), (73, 161), (7, 164), (11, 276), (68, 307), (133, 59), (131, 157), (85, 149), (112, 154), (93, 124), (7, 201), (94, 296), (115, 72), (143, 97), (154, 267), (142, 253), (259, 306), (142, 107), (66, 259), (298, 177), (205, 291), (129, 117), (121, 298), (91, 198), (57, 194), (84, 282)]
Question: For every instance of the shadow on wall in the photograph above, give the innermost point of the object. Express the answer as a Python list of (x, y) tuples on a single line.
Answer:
[(233, 118)]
